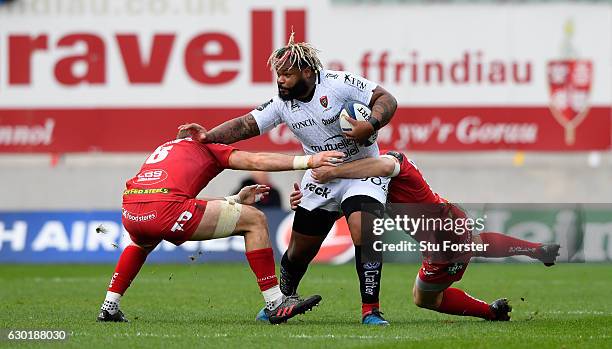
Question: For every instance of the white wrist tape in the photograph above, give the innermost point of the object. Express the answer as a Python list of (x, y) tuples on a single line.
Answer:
[(301, 162), (396, 169), (233, 199)]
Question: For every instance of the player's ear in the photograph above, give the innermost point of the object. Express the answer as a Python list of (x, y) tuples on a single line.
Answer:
[(307, 73)]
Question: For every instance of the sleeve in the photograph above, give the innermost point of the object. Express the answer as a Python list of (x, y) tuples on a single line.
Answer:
[(267, 116), (221, 153), (353, 87)]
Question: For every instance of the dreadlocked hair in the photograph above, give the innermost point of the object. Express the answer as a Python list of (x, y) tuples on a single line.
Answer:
[(299, 54)]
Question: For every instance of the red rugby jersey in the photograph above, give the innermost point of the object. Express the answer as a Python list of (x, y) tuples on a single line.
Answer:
[(177, 170), (409, 186)]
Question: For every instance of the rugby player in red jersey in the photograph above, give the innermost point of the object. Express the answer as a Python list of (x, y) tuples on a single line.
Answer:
[(160, 203), (440, 269)]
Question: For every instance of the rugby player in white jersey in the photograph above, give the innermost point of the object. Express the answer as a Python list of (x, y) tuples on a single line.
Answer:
[(309, 102)]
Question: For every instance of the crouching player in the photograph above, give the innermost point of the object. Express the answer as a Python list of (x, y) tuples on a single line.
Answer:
[(440, 269), (160, 203)]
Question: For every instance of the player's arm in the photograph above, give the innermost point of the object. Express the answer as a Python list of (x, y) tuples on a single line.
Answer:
[(231, 131), (247, 195), (384, 166), (242, 160), (383, 106)]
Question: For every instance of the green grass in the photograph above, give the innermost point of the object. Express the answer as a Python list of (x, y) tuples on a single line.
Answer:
[(213, 305)]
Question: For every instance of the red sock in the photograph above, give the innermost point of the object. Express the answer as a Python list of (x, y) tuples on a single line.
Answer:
[(366, 308), (501, 245), (128, 266), (262, 264), (457, 302)]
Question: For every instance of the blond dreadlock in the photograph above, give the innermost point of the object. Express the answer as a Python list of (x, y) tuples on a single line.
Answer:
[(300, 54)]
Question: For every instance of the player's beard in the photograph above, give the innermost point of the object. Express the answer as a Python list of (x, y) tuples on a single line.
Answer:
[(298, 90)]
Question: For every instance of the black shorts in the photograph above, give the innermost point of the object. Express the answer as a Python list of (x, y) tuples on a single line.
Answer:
[(319, 222)]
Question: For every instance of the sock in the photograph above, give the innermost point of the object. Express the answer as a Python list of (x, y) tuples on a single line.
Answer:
[(501, 245), (262, 265), (128, 266), (111, 302), (457, 302), (366, 308), (291, 274), (369, 273)]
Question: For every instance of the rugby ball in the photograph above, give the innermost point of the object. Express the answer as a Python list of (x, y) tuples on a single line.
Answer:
[(356, 111)]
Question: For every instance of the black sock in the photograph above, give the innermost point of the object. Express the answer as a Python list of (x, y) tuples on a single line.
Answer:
[(291, 274), (369, 270)]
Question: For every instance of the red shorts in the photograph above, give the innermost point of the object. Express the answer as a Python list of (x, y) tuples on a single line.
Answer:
[(444, 269), (173, 221), (442, 273)]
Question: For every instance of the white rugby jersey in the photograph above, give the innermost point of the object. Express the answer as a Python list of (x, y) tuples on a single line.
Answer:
[(316, 123)]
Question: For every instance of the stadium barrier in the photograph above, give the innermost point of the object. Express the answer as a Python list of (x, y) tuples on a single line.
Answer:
[(585, 232)]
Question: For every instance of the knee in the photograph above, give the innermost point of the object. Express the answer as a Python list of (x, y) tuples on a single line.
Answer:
[(419, 302), (259, 219), (423, 302), (255, 219)]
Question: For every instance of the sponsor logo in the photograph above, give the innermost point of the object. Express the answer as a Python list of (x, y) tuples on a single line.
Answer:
[(363, 111), (323, 101), (138, 218), (302, 124), (519, 250), (183, 218), (27, 134), (454, 268), (294, 106), (150, 177), (331, 75), (331, 120), (340, 143), (146, 191), (112, 281), (351, 80), (321, 191), (337, 248), (371, 265), (263, 106), (370, 281), (569, 85)]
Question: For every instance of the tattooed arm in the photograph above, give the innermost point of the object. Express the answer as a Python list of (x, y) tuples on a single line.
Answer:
[(231, 131), (383, 105), (234, 130)]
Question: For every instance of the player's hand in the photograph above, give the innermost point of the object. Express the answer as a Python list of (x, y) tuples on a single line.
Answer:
[(361, 131), (323, 174), (197, 131), (296, 197), (325, 158), (253, 193)]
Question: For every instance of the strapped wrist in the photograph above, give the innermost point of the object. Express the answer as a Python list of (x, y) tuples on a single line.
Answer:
[(375, 123), (301, 162), (233, 199)]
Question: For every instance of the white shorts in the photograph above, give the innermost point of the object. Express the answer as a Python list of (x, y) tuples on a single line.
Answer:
[(330, 195)]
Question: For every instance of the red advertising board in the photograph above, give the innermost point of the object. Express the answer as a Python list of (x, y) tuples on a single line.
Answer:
[(418, 129)]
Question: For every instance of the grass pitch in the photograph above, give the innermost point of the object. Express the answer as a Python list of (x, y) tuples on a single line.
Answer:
[(214, 305)]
